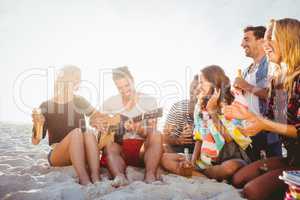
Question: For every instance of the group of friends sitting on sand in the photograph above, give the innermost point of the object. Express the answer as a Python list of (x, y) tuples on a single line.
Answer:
[(234, 133)]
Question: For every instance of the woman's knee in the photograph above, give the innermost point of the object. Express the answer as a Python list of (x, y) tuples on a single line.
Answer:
[(170, 162), (250, 192), (231, 167), (237, 180), (264, 186), (76, 135), (166, 157), (88, 135), (76, 131)]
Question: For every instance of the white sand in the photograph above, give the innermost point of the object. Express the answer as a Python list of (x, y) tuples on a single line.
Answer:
[(25, 174)]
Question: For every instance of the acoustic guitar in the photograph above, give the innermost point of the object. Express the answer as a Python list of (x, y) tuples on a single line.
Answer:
[(116, 126)]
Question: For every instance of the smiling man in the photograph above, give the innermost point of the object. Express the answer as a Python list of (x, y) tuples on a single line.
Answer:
[(141, 144), (254, 84)]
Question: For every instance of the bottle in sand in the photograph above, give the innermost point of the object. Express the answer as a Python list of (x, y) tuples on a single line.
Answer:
[(263, 157), (187, 170), (38, 126)]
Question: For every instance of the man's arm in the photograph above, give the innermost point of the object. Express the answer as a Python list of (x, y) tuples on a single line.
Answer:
[(257, 91)]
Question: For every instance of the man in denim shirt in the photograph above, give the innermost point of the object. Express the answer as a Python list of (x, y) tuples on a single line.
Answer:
[(254, 84)]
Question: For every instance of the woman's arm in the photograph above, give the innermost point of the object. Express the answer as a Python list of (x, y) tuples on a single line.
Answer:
[(282, 129), (34, 140), (256, 124), (84, 106), (168, 136), (185, 137)]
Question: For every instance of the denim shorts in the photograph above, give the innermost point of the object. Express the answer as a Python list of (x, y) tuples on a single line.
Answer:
[(49, 155), (50, 152)]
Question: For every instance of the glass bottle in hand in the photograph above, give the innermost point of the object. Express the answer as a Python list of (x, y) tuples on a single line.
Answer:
[(187, 168)]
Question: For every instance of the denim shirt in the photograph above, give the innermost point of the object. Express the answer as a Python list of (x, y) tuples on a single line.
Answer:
[(262, 81)]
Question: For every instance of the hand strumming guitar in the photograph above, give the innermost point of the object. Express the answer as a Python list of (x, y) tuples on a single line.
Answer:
[(99, 121), (141, 128)]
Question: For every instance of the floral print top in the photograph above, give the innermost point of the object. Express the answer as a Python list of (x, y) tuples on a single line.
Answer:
[(282, 110)]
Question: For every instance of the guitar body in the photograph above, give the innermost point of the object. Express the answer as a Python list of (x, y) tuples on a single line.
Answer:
[(115, 126), (105, 139), (112, 122)]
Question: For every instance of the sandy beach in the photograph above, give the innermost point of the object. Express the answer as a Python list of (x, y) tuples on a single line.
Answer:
[(26, 174)]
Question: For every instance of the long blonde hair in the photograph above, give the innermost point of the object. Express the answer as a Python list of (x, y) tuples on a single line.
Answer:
[(287, 36)]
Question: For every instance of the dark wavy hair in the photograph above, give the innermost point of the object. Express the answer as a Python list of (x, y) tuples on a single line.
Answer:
[(258, 31), (217, 77)]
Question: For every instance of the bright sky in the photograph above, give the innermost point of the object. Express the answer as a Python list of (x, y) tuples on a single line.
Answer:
[(162, 42)]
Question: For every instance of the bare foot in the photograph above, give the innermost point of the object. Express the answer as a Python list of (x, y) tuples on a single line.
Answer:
[(120, 180), (159, 172), (84, 182), (150, 177), (95, 178)]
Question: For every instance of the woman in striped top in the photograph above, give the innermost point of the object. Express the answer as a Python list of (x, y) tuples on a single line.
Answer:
[(179, 122)]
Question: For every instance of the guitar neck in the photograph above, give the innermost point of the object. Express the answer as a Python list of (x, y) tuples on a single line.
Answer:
[(147, 115)]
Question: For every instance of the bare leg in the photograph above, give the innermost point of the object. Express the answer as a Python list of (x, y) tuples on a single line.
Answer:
[(172, 163), (159, 173), (266, 186), (152, 155), (116, 164), (92, 154), (252, 171), (224, 170), (167, 148), (70, 151)]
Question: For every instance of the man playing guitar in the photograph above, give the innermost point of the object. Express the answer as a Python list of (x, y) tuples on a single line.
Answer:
[(140, 144)]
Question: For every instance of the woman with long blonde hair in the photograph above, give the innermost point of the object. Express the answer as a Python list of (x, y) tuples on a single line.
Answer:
[(260, 179)]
